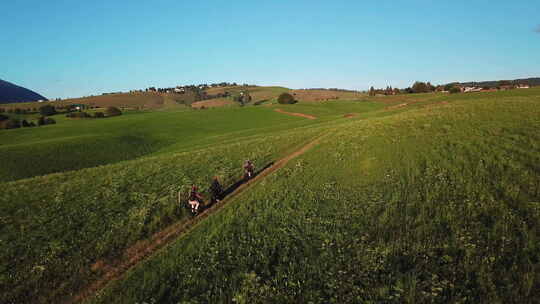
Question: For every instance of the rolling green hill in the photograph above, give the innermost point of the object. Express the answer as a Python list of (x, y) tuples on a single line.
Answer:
[(412, 198), (440, 204)]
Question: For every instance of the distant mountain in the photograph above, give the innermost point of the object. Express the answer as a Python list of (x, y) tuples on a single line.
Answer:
[(10, 93), (494, 83)]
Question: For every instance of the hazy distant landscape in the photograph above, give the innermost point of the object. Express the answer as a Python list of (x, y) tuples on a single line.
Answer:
[(269, 152)]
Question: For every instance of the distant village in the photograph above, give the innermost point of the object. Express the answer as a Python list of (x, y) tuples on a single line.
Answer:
[(185, 88), (452, 88), (467, 89)]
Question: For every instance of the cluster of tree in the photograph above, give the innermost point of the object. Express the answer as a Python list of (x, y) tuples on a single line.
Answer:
[(85, 115), (286, 98), (388, 91), (422, 87), (501, 83), (14, 123), (223, 84), (417, 87), (242, 98), (48, 110), (42, 120), (203, 95), (109, 112), (112, 111), (455, 87)]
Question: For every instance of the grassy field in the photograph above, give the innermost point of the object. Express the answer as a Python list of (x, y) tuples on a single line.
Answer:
[(68, 221), (418, 198), (84, 143), (435, 205), (76, 144)]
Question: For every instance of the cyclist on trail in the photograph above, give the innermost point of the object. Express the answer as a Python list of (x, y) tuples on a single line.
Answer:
[(249, 169), (216, 191), (194, 199)]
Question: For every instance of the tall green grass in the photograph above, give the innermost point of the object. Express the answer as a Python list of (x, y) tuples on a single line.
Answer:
[(438, 205), (77, 144), (55, 227)]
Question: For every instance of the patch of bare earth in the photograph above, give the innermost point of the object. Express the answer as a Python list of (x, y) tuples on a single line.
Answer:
[(401, 105), (212, 103), (350, 115), (142, 250), (123, 100), (296, 114), (325, 95)]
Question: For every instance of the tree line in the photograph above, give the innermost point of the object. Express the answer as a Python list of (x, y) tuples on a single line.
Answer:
[(454, 87), (7, 122), (417, 87), (199, 91)]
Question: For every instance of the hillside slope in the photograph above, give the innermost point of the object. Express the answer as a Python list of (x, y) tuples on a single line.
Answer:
[(10, 92), (434, 205)]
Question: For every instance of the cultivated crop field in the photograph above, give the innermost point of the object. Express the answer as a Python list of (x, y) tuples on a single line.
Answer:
[(325, 95), (425, 198)]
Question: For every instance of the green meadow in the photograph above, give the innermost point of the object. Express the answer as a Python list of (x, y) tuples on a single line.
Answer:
[(421, 198)]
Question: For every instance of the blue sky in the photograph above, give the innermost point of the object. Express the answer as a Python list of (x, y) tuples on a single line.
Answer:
[(76, 48)]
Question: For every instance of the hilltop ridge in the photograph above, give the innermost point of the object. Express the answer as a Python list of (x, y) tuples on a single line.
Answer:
[(10, 93)]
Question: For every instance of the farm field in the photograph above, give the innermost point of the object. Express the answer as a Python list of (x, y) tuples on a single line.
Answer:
[(439, 204), (312, 95), (417, 198)]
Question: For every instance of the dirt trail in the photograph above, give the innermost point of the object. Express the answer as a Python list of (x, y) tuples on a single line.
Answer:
[(396, 106), (145, 249), (296, 114)]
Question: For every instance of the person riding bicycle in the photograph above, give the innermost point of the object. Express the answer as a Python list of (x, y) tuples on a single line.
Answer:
[(216, 191), (249, 169), (194, 199)]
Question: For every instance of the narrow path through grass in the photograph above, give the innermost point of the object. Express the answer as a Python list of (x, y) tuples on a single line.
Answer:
[(142, 250), (296, 114)]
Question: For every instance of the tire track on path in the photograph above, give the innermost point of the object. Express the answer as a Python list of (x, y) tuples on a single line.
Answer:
[(143, 250)]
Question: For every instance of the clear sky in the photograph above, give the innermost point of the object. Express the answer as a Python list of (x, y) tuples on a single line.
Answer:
[(76, 48)]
